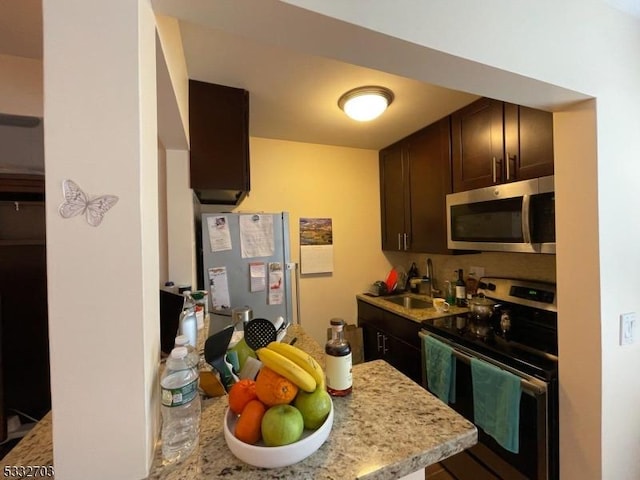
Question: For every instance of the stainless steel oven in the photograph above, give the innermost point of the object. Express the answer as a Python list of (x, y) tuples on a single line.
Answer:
[(526, 348)]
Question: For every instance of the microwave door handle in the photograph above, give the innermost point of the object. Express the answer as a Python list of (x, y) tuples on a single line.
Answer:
[(526, 223)]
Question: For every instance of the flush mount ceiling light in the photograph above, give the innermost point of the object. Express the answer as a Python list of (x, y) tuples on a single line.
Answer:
[(365, 103)]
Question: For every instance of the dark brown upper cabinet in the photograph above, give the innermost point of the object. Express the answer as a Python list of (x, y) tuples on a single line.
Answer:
[(219, 136), (415, 177), (494, 142)]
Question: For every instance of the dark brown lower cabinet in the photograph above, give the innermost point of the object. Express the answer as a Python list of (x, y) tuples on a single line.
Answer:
[(391, 338)]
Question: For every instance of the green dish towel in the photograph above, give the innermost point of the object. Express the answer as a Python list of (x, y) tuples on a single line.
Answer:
[(441, 369), (496, 403)]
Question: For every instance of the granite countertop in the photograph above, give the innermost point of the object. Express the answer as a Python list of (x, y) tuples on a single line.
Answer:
[(387, 428), (415, 314)]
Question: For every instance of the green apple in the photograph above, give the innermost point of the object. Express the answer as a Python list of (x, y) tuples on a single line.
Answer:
[(314, 407), (282, 425)]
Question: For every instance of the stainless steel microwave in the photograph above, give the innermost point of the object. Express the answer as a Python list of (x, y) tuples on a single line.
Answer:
[(513, 217)]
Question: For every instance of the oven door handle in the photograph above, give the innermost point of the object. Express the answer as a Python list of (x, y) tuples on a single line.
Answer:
[(530, 385)]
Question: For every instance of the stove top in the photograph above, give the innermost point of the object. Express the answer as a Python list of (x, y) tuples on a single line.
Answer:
[(527, 342)]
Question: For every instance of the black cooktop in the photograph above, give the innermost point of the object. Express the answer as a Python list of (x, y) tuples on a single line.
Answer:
[(530, 344)]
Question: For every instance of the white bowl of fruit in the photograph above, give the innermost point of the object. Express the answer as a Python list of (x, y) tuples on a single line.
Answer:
[(283, 416)]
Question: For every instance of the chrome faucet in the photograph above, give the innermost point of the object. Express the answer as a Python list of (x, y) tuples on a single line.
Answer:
[(433, 284)]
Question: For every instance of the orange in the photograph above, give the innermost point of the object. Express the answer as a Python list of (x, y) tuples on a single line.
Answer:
[(248, 426), (273, 389), (241, 393)]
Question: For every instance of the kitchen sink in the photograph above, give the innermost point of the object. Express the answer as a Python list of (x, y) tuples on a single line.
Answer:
[(409, 302)]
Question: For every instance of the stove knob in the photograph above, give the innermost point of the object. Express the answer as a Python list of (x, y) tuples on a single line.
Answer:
[(505, 322), (491, 286)]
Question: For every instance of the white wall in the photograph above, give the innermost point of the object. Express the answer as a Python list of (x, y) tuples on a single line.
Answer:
[(100, 131), (531, 49), (163, 226), (181, 233)]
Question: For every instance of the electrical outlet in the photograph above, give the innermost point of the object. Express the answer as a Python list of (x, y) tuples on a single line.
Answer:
[(627, 328), (477, 271)]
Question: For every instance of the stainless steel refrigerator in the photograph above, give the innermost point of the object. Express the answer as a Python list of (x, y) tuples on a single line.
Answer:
[(246, 262)]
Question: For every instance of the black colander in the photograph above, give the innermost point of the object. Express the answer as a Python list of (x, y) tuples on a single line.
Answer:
[(259, 332)]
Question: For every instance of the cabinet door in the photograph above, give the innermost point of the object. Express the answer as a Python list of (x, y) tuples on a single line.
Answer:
[(403, 357), (219, 137), (393, 197), (429, 161), (528, 142), (477, 140), (372, 340)]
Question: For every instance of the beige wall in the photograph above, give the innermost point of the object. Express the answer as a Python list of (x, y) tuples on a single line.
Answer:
[(309, 180), (21, 86)]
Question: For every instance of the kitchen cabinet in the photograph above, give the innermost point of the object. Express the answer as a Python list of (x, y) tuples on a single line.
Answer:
[(415, 176), (391, 338), (494, 142), (22, 186), (219, 137)]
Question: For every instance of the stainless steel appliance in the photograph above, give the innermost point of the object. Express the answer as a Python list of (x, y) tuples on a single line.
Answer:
[(513, 217), (245, 261), (522, 341)]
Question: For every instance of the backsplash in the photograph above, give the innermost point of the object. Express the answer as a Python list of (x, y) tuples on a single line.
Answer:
[(528, 266)]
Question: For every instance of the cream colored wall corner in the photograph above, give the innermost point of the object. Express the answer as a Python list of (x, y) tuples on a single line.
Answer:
[(163, 232), (309, 180), (181, 230)]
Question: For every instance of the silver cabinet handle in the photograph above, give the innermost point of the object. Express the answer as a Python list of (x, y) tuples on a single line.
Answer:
[(508, 165), (404, 235), (399, 242), (384, 345), (494, 168), (380, 336)]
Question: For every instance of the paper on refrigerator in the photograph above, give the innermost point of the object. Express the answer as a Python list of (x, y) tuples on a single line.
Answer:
[(219, 288), (276, 283), (256, 236), (258, 275), (219, 235)]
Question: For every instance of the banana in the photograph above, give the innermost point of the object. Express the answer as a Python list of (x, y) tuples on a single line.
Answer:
[(300, 358), (287, 368)]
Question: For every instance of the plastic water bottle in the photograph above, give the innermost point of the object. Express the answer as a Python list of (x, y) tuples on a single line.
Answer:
[(192, 355), (188, 322), (180, 407)]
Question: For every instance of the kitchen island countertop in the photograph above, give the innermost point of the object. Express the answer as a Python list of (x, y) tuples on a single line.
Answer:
[(389, 427)]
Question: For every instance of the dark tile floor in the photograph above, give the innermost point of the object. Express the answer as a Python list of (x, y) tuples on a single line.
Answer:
[(7, 446)]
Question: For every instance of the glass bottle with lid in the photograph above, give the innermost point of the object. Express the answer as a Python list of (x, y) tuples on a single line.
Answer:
[(338, 361)]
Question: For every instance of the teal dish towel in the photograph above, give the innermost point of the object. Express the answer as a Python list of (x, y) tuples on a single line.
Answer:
[(496, 403), (441, 369)]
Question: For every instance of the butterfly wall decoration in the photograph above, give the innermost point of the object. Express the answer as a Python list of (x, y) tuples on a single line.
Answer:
[(76, 202)]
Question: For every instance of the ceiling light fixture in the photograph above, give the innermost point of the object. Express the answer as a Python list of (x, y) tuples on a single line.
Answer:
[(365, 103)]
